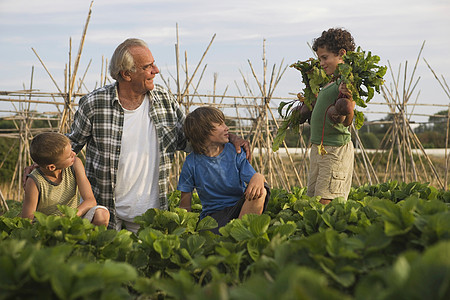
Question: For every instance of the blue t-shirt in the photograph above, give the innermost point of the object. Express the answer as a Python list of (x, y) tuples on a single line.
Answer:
[(220, 181)]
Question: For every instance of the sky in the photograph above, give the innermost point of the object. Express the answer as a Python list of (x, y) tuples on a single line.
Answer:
[(392, 29)]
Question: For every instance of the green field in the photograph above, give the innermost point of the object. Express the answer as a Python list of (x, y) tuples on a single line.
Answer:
[(388, 241)]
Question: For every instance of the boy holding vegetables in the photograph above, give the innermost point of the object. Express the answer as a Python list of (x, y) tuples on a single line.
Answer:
[(226, 183), (332, 152)]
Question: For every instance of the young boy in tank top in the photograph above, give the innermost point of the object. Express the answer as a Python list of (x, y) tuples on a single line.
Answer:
[(57, 180)]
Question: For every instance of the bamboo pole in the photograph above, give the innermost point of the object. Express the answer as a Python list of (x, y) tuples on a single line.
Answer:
[(65, 119), (177, 54), (199, 63), (446, 149)]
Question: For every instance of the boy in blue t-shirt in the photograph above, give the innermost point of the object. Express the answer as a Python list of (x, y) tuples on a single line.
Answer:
[(226, 183)]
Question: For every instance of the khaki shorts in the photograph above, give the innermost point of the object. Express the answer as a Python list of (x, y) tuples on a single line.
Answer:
[(330, 175), (89, 215)]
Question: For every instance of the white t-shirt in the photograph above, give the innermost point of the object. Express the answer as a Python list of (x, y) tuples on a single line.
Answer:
[(137, 187)]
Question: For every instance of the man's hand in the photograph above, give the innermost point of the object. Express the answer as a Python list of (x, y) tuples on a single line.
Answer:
[(27, 171), (239, 142)]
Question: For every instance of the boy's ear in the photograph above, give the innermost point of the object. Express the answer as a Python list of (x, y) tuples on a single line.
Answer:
[(342, 52), (50, 167)]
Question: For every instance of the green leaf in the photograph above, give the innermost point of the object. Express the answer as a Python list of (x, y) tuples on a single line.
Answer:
[(401, 270), (374, 238), (259, 225), (397, 221), (238, 231), (329, 220), (358, 119), (284, 230), (438, 255), (332, 239), (256, 246), (67, 211), (62, 280), (281, 106), (46, 260), (279, 138), (353, 217), (163, 248), (113, 273), (207, 223), (105, 237), (434, 227), (346, 279), (195, 244), (311, 219)]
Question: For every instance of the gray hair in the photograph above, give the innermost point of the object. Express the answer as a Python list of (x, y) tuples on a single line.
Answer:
[(122, 60)]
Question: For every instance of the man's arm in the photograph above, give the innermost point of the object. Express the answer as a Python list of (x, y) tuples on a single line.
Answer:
[(30, 200), (84, 187), (239, 142), (81, 127), (186, 201)]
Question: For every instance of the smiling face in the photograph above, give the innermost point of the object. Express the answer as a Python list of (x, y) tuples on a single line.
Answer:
[(145, 70), (329, 60), (219, 134)]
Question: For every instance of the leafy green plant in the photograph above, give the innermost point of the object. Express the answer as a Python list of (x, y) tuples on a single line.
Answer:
[(363, 76), (299, 110), (35, 272), (386, 241)]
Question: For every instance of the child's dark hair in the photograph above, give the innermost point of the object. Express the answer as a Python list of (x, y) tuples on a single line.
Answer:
[(335, 39), (46, 147), (199, 124)]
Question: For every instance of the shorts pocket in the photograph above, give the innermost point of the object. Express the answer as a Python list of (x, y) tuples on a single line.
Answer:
[(337, 182)]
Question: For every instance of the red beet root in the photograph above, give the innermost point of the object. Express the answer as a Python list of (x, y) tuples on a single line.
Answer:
[(305, 113), (334, 116), (344, 106)]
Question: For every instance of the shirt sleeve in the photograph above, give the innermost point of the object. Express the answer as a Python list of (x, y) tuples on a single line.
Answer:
[(182, 142), (81, 126), (246, 171), (186, 182)]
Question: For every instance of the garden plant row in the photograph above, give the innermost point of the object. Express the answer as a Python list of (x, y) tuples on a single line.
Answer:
[(387, 241)]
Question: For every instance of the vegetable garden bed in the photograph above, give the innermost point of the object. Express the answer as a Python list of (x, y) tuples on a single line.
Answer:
[(388, 241)]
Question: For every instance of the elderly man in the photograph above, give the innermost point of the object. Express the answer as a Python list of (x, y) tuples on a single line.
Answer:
[(131, 130)]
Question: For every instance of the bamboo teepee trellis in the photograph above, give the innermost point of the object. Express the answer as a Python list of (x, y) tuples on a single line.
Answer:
[(406, 154)]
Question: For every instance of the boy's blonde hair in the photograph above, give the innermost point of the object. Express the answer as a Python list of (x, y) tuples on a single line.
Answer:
[(199, 124), (46, 147)]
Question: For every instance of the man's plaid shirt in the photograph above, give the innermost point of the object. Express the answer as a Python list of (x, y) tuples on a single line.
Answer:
[(98, 124)]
